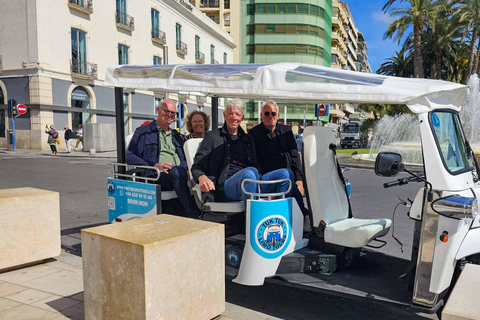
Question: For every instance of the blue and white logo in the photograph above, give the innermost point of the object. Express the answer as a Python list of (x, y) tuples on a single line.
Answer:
[(233, 258), (271, 233), (110, 187)]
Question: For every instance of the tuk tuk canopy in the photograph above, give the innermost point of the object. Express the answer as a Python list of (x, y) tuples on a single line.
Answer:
[(290, 82)]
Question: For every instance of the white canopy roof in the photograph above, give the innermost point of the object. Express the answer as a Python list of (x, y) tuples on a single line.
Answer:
[(290, 82)]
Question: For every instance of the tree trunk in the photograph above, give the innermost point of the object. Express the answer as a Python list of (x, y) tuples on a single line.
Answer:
[(438, 64), (477, 64), (471, 55), (417, 51)]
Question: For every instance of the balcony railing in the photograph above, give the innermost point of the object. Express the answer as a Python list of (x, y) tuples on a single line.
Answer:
[(226, 23), (210, 4), (125, 21), (85, 6), (199, 57), (216, 20), (159, 36), (182, 48), (85, 69)]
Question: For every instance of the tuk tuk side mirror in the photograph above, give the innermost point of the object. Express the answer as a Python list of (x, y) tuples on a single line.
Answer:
[(388, 164)]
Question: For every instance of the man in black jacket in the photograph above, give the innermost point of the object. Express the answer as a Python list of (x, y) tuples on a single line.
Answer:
[(227, 156), (68, 137), (276, 148), (157, 145)]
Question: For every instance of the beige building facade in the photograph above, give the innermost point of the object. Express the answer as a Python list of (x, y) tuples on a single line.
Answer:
[(54, 55)]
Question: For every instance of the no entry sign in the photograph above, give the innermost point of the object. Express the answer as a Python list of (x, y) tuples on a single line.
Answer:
[(21, 109), (321, 109)]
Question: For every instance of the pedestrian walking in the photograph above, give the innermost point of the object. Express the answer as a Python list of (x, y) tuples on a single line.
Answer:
[(79, 136), (52, 138), (68, 137)]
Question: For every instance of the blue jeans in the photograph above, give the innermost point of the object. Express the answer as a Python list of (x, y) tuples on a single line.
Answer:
[(233, 190)]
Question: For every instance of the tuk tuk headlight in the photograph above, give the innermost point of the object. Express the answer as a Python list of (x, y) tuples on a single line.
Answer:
[(456, 207)]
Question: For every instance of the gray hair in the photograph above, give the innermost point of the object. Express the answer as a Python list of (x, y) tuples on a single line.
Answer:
[(235, 103), (272, 103)]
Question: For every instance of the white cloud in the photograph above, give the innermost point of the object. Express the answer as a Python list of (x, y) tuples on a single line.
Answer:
[(381, 17)]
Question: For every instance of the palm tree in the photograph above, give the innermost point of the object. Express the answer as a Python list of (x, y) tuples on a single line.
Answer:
[(469, 10), (400, 65), (442, 30), (413, 15)]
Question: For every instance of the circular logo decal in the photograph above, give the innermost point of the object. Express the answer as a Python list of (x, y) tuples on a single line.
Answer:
[(232, 257), (271, 234)]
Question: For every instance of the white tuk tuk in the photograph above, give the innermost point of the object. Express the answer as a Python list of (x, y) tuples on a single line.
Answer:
[(447, 227)]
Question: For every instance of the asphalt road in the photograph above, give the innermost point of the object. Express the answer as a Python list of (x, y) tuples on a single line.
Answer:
[(82, 187)]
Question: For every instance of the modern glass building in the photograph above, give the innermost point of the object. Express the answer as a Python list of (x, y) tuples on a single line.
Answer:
[(286, 31)]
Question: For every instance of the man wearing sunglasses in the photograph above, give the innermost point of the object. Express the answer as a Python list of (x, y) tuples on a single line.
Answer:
[(157, 145), (276, 149)]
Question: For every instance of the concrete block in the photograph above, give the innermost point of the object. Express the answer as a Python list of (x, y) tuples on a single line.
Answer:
[(463, 301), (99, 136), (162, 267), (29, 226)]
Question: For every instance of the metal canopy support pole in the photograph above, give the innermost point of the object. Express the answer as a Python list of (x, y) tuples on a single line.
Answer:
[(120, 124), (214, 113)]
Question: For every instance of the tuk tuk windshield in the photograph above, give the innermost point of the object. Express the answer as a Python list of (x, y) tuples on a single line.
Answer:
[(451, 141)]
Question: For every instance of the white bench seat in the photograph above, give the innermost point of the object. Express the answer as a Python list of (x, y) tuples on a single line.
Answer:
[(327, 197), (190, 148)]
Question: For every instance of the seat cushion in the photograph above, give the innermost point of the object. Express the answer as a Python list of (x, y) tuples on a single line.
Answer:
[(356, 233), (167, 195), (226, 207)]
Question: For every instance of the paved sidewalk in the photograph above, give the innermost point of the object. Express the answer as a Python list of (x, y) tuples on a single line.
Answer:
[(54, 290)]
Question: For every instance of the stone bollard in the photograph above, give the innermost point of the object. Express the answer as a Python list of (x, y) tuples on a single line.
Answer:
[(92, 152), (162, 267), (29, 226)]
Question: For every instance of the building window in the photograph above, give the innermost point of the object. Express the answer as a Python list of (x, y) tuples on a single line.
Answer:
[(155, 20), (250, 29), (157, 60), (80, 99), (270, 7), (126, 112), (291, 8), (197, 46), (79, 51), (250, 49), (281, 8), (250, 9), (122, 54), (302, 8), (261, 8), (121, 6), (212, 54), (334, 59), (270, 28), (224, 58), (178, 29)]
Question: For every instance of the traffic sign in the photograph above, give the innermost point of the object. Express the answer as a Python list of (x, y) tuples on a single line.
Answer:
[(21, 109), (321, 109)]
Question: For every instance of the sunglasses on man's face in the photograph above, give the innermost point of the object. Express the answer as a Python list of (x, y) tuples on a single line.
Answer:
[(267, 114)]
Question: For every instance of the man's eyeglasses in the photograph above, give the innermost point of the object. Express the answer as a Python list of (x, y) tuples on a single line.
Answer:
[(267, 114), (171, 113)]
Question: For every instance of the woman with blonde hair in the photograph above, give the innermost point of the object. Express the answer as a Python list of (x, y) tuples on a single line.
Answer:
[(197, 123)]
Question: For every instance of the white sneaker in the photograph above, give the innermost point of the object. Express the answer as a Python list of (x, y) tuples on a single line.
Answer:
[(307, 225)]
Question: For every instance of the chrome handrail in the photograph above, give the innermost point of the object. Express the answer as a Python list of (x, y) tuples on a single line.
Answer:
[(267, 195), (115, 174)]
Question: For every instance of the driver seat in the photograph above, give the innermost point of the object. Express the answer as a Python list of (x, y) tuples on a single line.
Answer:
[(327, 197)]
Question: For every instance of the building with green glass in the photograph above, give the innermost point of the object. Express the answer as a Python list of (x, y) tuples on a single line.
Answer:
[(286, 31)]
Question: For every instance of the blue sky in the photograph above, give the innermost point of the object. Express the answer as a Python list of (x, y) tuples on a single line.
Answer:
[(371, 21)]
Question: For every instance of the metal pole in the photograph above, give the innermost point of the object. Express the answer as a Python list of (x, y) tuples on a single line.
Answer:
[(179, 116), (120, 124), (285, 116), (214, 113), (304, 119), (259, 111), (14, 138)]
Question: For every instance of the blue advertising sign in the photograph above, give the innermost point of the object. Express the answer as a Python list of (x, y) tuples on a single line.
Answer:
[(129, 200)]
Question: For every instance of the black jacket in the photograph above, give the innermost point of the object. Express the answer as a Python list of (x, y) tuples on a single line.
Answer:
[(68, 134), (213, 157), (144, 148), (268, 150)]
